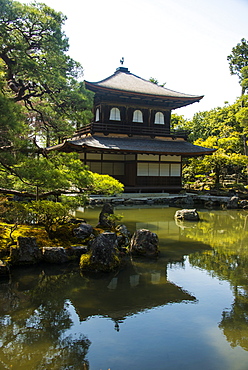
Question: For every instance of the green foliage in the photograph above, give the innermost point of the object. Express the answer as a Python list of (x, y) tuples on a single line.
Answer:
[(73, 202), (104, 184), (217, 164), (242, 118), (49, 213), (220, 122), (18, 213), (244, 78), (41, 102), (178, 122), (3, 206), (114, 217), (11, 116), (55, 172), (238, 60), (224, 129), (37, 71), (155, 81)]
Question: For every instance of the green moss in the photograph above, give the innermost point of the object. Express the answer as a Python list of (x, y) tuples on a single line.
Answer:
[(63, 237), (85, 261), (87, 264), (4, 235)]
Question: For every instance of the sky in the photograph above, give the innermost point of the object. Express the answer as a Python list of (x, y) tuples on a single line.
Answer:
[(184, 43)]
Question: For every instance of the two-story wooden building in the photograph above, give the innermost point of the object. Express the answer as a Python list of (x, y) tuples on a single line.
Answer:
[(130, 136)]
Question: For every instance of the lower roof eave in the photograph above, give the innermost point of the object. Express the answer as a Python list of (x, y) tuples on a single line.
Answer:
[(128, 145), (132, 151)]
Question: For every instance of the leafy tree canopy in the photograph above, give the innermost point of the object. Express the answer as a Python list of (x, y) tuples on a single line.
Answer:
[(220, 122), (41, 101), (36, 71), (223, 129), (238, 60)]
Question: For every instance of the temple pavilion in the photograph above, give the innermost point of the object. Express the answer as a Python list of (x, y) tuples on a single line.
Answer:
[(130, 136)]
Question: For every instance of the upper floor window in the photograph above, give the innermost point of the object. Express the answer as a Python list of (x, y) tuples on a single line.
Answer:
[(159, 118), (115, 114), (137, 116), (97, 115)]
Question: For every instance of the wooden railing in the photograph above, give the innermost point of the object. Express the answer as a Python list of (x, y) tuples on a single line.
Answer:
[(130, 130)]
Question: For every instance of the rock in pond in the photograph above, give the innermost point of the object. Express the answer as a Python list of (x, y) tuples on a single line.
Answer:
[(104, 220), (187, 214), (123, 237), (145, 243), (233, 202), (83, 231), (26, 251), (60, 255), (55, 255), (103, 254)]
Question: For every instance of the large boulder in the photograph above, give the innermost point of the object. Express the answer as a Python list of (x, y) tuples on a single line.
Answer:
[(187, 214), (145, 243), (26, 251), (123, 237), (83, 231), (233, 203), (103, 255), (55, 255)]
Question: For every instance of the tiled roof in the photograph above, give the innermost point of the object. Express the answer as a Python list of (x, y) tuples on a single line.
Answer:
[(123, 80), (135, 145)]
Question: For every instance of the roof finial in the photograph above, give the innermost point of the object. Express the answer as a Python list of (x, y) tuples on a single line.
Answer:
[(122, 61)]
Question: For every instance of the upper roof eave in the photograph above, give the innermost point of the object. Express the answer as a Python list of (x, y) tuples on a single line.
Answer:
[(95, 88), (125, 83)]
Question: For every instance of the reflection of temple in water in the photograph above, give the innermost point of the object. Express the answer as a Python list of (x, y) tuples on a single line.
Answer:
[(139, 286)]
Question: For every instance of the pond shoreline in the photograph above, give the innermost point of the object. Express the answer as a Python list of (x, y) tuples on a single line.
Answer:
[(230, 201)]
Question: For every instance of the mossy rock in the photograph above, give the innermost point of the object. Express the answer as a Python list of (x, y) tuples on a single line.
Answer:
[(87, 263), (103, 255)]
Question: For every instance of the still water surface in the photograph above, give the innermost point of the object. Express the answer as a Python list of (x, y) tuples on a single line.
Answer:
[(186, 310)]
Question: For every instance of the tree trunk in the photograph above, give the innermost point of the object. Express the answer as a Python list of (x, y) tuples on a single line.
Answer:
[(245, 145), (37, 193), (217, 177)]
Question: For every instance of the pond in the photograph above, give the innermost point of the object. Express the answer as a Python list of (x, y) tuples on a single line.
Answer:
[(188, 309)]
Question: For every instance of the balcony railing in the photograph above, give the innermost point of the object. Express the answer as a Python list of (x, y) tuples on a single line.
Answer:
[(130, 130)]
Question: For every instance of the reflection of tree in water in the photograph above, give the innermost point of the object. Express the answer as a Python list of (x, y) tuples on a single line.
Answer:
[(222, 229), (235, 322), (34, 333), (37, 323), (234, 268), (228, 261)]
